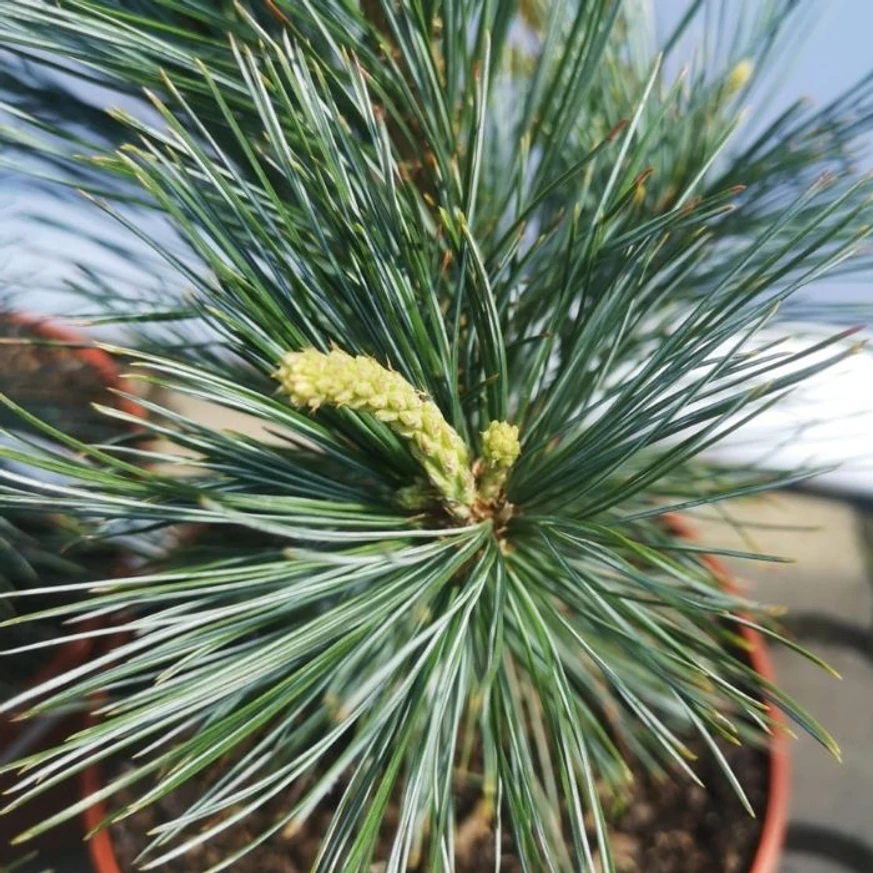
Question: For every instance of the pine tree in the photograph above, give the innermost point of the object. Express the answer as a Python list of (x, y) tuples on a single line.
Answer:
[(490, 275)]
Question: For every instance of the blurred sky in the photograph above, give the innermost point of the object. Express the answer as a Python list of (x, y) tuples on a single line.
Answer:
[(831, 53), (835, 52)]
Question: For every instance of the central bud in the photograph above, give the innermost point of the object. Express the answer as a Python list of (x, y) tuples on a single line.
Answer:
[(312, 379)]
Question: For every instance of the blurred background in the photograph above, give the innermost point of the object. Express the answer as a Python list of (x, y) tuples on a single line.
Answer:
[(829, 422)]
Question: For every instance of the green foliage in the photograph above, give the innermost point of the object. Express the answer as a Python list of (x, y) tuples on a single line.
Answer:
[(54, 380), (513, 207)]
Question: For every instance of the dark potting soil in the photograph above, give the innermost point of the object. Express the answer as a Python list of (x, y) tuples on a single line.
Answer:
[(55, 383), (669, 826)]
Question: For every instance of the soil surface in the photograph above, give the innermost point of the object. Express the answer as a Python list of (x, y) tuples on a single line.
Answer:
[(53, 382), (669, 826)]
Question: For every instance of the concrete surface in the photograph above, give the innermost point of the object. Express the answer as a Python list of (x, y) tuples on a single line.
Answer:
[(829, 593)]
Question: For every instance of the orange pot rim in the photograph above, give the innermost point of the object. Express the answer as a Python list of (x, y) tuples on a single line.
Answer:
[(97, 358), (75, 652), (768, 853), (100, 846), (775, 823)]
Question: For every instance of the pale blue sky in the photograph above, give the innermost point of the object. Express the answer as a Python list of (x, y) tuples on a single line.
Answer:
[(835, 52), (831, 54)]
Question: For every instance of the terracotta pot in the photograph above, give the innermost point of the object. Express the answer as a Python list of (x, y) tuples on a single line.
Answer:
[(769, 850), (102, 362), (100, 848), (19, 738), (778, 791)]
